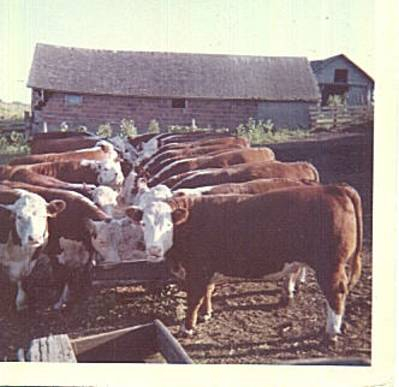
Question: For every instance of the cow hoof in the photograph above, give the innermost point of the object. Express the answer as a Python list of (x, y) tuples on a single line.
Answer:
[(59, 306), (206, 317), (330, 341), (186, 332), (286, 301)]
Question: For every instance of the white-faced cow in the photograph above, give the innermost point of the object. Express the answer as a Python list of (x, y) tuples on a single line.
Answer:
[(252, 236), (23, 233)]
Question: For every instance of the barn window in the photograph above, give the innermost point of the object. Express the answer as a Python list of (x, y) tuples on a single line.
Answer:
[(341, 76), (73, 100), (179, 103)]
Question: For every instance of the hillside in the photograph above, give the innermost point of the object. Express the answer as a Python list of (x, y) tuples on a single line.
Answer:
[(12, 110)]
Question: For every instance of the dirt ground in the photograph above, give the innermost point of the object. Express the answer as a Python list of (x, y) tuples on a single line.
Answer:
[(249, 325)]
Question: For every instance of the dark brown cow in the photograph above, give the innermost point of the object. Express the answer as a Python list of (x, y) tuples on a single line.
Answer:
[(155, 164), (40, 146), (253, 187), (30, 177), (253, 236), (244, 172), (222, 160), (102, 151)]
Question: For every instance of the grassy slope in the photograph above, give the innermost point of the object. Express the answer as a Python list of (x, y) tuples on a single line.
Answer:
[(12, 110)]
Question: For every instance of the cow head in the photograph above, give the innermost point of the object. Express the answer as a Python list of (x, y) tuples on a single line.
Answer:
[(109, 172), (105, 198), (126, 150), (30, 212), (116, 240), (158, 220), (149, 149)]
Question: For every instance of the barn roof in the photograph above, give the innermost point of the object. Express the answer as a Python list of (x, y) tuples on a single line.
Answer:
[(161, 74), (318, 65)]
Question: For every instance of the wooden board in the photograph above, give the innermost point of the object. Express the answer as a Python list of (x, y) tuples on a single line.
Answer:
[(57, 348), (131, 272)]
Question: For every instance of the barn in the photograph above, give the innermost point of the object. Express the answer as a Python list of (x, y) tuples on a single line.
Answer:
[(338, 75), (92, 87)]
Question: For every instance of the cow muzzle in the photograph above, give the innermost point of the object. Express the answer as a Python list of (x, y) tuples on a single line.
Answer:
[(155, 254)]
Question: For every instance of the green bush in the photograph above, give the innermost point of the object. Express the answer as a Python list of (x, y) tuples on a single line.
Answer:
[(265, 132), (153, 126), (128, 128), (105, 130), (15, 144)]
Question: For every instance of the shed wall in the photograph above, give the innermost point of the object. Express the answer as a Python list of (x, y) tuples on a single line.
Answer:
[(360, 85), (96, 110), (285, 114)]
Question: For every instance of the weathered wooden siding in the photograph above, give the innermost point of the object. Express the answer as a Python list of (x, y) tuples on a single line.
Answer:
[(285, 114), (339, 118), (359, 84)]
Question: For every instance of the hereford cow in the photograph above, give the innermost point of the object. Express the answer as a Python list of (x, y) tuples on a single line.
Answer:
[(102, 151), (163, 158), (23, 233), (244, 172), (27, 176), (317, 225), (39, 146), (222, 160), (69, 244), (103, 172), (154, 147)]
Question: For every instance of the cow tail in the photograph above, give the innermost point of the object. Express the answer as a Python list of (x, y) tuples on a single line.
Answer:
[(356, 261)]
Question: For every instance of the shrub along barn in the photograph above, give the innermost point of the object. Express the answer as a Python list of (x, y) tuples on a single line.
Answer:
[(92, 87)]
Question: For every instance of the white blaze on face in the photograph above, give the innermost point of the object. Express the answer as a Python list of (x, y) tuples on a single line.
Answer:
[(31, 219), (109, 172), (118, 240), (158, 228), (146, 196), (149, 148), (127, 151), (105, 197)]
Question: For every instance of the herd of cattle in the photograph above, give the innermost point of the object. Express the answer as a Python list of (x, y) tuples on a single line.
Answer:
[(205, 202)]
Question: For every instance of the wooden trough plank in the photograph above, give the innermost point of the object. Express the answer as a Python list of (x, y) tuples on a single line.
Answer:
[(51, 349), (131, 272), (169, 346), (130, 344)]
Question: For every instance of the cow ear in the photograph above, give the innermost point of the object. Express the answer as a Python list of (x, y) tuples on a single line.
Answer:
[(179, 216), (55, 207), (134, 213)]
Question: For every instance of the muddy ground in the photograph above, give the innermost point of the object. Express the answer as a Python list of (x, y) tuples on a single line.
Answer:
[(249, 325)]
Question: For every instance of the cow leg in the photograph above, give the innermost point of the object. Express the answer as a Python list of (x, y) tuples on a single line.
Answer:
[(206, 307), (20, 301), (64, 298), (195, 298), (335, 288)]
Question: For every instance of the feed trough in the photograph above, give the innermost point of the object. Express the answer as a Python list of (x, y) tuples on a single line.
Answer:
[(147, 343)]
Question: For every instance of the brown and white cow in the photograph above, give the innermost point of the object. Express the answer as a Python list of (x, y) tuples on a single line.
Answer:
[(102, 151), (23, 233), (244, 172), (253, 236), (222, 160), (154, 146), (57, 145), (163, 158), (103, 172)]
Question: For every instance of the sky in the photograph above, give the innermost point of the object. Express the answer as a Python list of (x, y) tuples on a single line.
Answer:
[(316, 29)]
